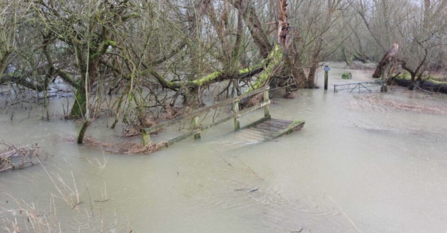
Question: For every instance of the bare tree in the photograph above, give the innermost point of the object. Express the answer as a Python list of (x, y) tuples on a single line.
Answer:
[(419, 31)]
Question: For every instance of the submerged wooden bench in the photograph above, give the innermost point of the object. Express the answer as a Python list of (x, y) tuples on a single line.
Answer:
[(265, 128)]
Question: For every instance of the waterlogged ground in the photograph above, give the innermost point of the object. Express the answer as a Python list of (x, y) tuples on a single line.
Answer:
[(362, 163)]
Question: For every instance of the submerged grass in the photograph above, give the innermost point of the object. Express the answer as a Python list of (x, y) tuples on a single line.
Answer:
[(127, 147), (27, 216)]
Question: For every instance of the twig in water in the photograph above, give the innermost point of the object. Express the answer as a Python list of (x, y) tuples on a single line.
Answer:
[(76, 189), (105, 159), (102, 220), (90, 199), (102, 200), (338, 207), (54, 183), (229, 164), (76, 205), (254, 173)]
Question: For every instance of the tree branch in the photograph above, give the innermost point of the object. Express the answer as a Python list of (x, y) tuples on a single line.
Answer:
[(254, 26)]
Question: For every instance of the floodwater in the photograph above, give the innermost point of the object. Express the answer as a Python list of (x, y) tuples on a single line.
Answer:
[(362, 163)]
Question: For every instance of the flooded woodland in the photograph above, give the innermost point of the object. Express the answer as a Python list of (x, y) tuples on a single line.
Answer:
[(364, 162), (241, 116)]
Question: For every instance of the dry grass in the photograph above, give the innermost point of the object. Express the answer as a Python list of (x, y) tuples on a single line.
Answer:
[(135, 122), (253, 100), (27, 218), (118, 148), (20, 216)]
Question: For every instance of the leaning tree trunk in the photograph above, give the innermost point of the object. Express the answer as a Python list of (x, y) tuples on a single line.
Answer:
[(275, 57), (390, 56), (254, 25)]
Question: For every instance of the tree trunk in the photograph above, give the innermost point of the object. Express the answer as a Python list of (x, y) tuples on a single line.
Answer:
[(79, 108), (314, 65), (346, 57), (412, 82), (82, 131), (311, 76), (254, 26), (4, 62), (390, 56), (80, 102), (274, 61), (429, 85)]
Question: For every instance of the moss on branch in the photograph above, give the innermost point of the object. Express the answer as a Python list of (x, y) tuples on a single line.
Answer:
[(275, 59), (267, 66)]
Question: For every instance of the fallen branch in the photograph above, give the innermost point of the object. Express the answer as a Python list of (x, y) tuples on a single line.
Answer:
[(425, 84), (12, 157)]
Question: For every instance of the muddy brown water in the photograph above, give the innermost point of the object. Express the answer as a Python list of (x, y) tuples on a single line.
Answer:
[(362, 163)]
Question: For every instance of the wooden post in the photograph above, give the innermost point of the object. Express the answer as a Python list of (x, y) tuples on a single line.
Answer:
[(237, 124), (326, 76), (146, 137), (196, 125), (267, 107)]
